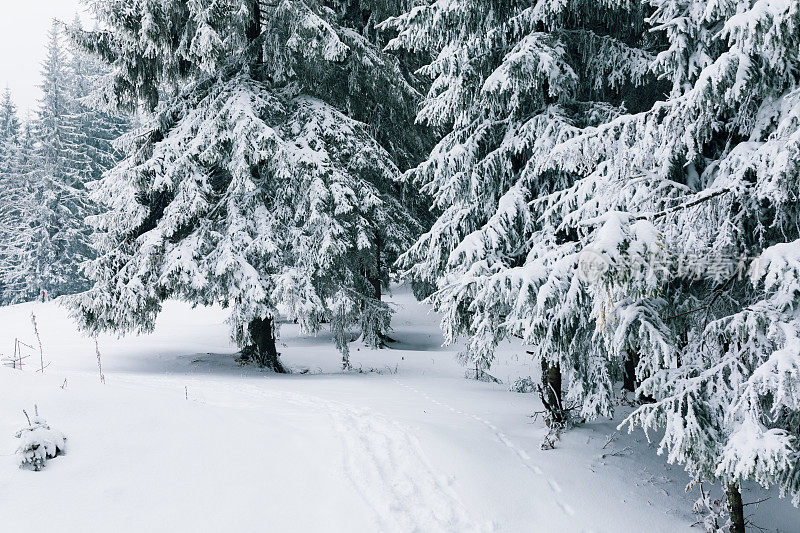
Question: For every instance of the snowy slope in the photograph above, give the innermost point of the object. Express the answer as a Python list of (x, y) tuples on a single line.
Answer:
[(181, 438)]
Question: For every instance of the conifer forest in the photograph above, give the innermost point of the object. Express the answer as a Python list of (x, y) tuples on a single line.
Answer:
[(402, 266)]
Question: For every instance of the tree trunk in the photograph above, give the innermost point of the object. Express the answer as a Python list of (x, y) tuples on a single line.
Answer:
[(253, 32), (629, 382), (263, 349), (551, 383), (735, 508), (375, 278)]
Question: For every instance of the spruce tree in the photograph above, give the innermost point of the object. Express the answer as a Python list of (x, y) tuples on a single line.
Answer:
[(724, 155), (644, 235), (9, 131), (48, 163), (54, 128), (95, 126), (258, 182), (57, 185), (511, 81), (9, 120)]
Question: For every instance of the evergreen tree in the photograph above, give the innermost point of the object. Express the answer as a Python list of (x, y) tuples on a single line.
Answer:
[(724, 155), (511, 81), (259, 181), (9, 130), (9, 121), (47, 166), (607, 228), (61, 242), (671, 207), (54, 130), (16, 206), (95, 126)]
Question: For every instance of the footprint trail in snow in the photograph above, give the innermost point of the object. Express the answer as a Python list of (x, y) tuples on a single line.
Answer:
[(388, 469), (523, 456)]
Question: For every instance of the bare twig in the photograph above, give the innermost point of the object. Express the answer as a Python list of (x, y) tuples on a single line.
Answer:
[(687, 205), (38, 338), (609, 440), (627, 450), (99, 364), (671, 210), (756, 502)]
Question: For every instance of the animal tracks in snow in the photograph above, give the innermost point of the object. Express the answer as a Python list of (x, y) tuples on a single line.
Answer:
[(524, 457)]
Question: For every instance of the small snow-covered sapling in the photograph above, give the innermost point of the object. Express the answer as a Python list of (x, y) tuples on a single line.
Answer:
[(523, 385), (38, 443)]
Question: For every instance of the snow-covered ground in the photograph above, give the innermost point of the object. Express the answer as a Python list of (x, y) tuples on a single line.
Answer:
[(181, 438)]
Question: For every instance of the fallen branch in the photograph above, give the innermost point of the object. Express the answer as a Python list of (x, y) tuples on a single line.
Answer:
[(609, 440)]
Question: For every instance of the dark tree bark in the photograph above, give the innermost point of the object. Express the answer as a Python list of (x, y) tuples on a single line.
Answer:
[(254, 28), (629, 382), (263, 350), (375, 276), (550, 392), (736, 508), (253, 33), (262, 330)]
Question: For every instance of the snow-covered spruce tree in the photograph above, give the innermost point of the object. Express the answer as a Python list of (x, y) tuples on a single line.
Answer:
[(9, 120), (727, 142), (19, 211), (511, 80), (9, 130), (664, 200), (47, 165), (16, 156), (54, 127), (95, 126), (17, 237), (55, 181), (38, 443), (258, 182), (38, 234)]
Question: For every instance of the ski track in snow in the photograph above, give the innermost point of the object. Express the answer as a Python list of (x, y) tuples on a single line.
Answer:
[(523, 456), (386, 466)]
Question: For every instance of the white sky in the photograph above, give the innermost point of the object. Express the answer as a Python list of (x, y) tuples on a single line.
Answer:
[(23, 34)]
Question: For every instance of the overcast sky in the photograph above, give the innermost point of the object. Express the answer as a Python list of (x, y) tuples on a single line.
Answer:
[(23, 33)]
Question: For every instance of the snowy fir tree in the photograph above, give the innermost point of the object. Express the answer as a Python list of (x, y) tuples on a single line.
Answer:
[(259, 182), (17, 206), (9, 130), (612, 187), (55, 129), (723, 157), (9, 121), (594, 211), (511, 80), (45, 168), (96, 125)]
